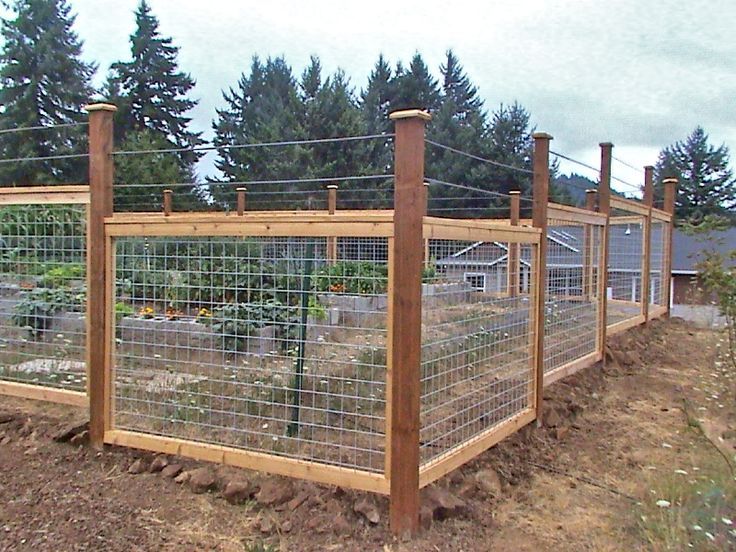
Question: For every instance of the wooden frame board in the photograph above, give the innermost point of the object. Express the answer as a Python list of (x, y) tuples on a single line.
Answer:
[(466, 451), (575, 215), (45, 195), (42, 393), (657, 312), (623, 325), (474, 230), (269, 463), (663, 216), (629, 205), (572, 367)]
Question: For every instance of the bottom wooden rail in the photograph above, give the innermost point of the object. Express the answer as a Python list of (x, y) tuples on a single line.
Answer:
[(229, 456), (656, 312), (571, 367), (41, 393), (464, 452), (624, 325)]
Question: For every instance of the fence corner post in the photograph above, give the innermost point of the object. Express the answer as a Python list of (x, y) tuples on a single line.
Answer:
[(670, 193), (101, 205), (648, 200), (604, 206), (540, 184), (403, 393)]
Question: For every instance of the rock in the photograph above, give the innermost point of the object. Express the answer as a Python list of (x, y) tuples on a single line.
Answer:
[(275, 492), (340, 526), (561, 431), (286, 527), (5, 440), (171, 471), (238, 491), (137, 467), (729, 434), (266, 525), (551, 417), (367, 509), (6, 418), (426, 515), (295, 502), (183, 477), (489, 482), (80, 438), (443, 504), (70, 431), (158, 464), (202, 480), (27, 428)]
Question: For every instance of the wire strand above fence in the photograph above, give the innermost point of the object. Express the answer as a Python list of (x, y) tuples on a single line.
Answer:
[(253, 145), (478, 158), (41, 127)]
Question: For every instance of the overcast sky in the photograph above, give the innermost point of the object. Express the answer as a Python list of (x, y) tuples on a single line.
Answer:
[(638, 73)]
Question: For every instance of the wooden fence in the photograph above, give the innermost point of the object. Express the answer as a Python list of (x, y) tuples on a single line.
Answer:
[(400, 345)]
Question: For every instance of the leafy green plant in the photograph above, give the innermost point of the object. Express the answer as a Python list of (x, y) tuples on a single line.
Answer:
[(62, 275), (122, 310), (237, 322), (316, 309), (37, 307), (354, 277)]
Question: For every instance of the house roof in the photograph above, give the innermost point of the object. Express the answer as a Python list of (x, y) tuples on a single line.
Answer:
[(688, 250)]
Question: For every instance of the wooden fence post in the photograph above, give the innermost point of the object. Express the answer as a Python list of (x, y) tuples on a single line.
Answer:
[(331, 208), (588, 292), (670, 191), (406, 321), (512, 266), (101, 205), (604, 206), (167, 202), (240, 201), (540, 182), (646, 266)]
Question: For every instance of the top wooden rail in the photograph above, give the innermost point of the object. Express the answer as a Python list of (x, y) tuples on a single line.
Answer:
[(36, 195), (575, 215), (629, 205)]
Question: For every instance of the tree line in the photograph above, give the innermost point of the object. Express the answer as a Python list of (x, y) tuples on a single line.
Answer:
[(43, 81)]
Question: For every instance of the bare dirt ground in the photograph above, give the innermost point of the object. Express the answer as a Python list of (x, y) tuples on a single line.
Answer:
[(631, 457)]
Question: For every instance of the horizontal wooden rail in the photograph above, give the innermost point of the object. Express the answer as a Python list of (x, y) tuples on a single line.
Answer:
[(626, 219), (474, 230), (41, 393), (623, 325), (657, 312), (466, 451), (45, 195), (279, 224), (629, 205), (658, 214), (229, 456), (566, 213), (571, 367)]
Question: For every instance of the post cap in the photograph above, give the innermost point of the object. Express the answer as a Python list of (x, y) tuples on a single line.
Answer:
[(648, 167), (100, 107), (606, 144), (168, 191), (332, 186), (670, 180), (241, 189), (515, 192), (541, 135), (410, 114)]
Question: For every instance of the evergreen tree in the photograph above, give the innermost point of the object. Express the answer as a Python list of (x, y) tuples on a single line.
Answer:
[(458, 123), (264, 107), (706, 185), (415, 88), (43, 82), (151, 94), (375, 106)]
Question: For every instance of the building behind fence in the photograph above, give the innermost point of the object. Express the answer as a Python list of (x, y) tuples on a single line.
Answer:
[(373, 349)]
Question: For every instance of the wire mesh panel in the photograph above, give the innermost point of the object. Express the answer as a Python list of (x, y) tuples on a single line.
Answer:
[(625, 251), (43, 295), (571, 300), (476, 369), (255, 343), (657, 276)]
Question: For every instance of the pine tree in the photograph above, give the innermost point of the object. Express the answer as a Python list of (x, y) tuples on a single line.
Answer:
[(43, 82), (706, 185), (152, 94), (415, 88), (459, 123), (378, 153), (263, 107)]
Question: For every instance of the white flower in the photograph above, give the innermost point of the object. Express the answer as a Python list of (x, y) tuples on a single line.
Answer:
[(664, 503)]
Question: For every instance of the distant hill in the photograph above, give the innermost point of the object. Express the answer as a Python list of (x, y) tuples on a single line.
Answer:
[(575, 185)]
